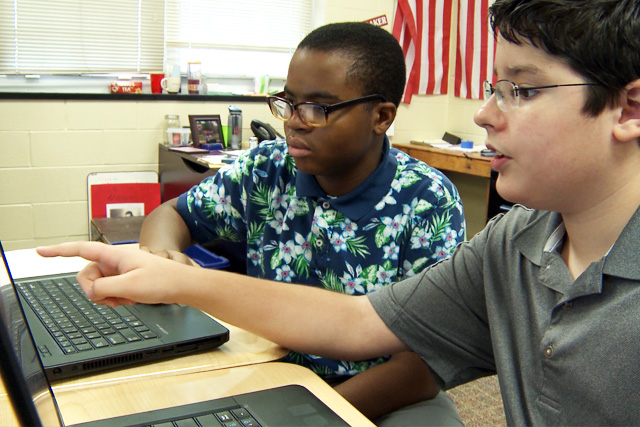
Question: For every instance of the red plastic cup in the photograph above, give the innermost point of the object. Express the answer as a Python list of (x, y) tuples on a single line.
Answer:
[(156, 79)]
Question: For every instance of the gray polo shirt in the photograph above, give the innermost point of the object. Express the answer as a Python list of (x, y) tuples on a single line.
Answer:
[(566, 352)]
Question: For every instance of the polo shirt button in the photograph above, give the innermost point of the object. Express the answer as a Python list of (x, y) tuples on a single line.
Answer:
[(548, 352), (319, 243), (326, 205)]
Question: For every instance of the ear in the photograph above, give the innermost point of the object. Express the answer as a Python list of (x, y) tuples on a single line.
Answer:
[(383, 116), (628, 126)]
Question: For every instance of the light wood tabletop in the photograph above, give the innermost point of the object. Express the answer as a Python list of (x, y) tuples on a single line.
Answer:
[(94, 401), (471, 163)]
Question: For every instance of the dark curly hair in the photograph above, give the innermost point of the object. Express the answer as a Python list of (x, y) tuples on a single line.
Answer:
[(378, 62)]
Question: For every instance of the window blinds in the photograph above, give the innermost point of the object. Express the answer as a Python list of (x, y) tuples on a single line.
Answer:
[(133, 36), (86, 36), (275, 25)]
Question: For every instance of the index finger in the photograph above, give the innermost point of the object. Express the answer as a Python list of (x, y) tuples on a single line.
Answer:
[(92, 251)]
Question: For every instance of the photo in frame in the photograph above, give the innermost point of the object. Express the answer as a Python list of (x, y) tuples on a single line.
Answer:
[(206, 129)]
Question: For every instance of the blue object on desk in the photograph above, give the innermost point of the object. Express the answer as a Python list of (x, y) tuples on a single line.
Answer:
[(212, 146), (205, 258)]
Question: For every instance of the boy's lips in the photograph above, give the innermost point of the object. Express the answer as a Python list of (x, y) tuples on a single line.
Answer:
[(498, 160), (297, 148)]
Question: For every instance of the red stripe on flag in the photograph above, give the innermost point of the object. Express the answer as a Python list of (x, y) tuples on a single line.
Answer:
[(458, 70), (431, 38), (413, 83), (446, 45)]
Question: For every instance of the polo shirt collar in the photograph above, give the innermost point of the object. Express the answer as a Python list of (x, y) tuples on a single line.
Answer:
[(622, 260), (363, 198), (533, 238)]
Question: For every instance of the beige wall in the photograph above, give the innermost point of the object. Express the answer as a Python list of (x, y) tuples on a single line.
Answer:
[(47, 148)]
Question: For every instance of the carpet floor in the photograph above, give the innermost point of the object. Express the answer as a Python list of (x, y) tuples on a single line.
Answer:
[(480, 403)]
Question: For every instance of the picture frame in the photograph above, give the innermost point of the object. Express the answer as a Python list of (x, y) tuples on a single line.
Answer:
[(206, 129)]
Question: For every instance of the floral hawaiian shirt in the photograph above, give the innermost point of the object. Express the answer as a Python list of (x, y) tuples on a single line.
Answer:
[(402, 218)]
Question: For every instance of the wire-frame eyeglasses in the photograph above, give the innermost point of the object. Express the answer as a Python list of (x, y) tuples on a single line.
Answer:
[(508, 93)]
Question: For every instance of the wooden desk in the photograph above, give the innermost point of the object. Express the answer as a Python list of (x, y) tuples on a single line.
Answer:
[(243, 348), (114, 230), (94, 400), (449, 160), (178, 172)]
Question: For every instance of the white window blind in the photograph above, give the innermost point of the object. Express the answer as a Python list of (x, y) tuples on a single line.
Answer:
[(275, 25), (232, 37), (85, 36), (239, 37)]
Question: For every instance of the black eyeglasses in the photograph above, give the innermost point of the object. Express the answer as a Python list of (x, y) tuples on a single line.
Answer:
[(508, 93), (311, 113)]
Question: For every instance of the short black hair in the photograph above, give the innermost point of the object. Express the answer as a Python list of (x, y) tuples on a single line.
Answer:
[(599, 39), (378, 62)]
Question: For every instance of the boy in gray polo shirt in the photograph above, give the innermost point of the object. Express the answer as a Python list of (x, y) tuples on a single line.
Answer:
[(547, 297)]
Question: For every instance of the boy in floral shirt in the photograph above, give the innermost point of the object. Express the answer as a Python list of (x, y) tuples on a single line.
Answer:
[(333, 205)]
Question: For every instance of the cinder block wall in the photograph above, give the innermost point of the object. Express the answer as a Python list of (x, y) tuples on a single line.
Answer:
[(47, 149)]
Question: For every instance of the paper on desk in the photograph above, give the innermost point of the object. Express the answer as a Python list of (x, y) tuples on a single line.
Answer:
[(444, 145), (27, 263), (188, 149), (439, 143), (476, 148), (234, 153), (213, 159)]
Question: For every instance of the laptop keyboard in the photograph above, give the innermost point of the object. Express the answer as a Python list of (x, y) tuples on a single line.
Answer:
[(235, 417), (76, 323)]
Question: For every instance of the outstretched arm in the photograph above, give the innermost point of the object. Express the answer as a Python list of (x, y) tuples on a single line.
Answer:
[(302, 318)]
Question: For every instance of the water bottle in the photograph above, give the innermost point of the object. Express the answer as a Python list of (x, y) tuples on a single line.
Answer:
[(235, 128)]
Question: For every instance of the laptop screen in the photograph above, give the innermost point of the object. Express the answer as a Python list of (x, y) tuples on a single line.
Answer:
[(17, 340)]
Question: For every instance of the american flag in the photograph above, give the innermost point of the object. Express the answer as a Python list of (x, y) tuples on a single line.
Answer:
[(423, 29), (475, 48)]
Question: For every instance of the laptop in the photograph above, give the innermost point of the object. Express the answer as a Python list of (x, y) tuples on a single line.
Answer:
[(101, 338), (34, 403)]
